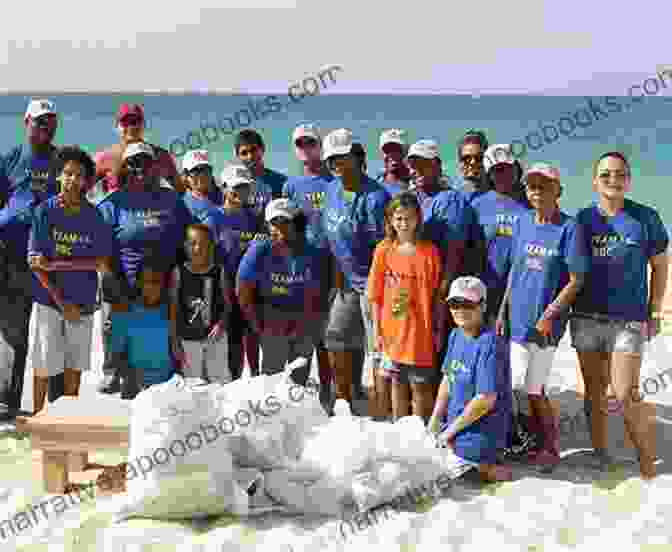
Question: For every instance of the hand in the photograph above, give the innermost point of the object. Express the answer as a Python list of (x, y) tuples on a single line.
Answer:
[(544, 327), (71, 312), (438, 337), (434, 425), (500, 327), (650, 329), (38, 262), (178, 351), (447, 439), (217, 332), (379, 342)]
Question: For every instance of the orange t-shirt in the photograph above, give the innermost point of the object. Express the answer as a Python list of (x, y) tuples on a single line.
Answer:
[(405, 286)]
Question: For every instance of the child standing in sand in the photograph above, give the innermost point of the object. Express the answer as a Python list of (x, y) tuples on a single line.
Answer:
[(403, 291)]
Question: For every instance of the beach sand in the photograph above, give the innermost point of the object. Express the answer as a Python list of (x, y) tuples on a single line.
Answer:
[(573, 508)]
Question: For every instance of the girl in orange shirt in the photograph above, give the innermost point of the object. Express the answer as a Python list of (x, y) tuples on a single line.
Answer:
[(403, 291)]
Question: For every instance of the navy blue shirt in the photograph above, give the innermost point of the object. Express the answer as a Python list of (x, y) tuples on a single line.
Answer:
[(621, 247)]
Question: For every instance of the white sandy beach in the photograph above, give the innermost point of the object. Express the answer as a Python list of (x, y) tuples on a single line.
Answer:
[(573, 508)]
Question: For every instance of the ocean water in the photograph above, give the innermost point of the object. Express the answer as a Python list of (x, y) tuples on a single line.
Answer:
[(643, 130)]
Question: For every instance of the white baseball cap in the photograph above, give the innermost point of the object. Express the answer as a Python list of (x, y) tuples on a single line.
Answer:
[(544, 169), (138, 148), (392, 136), (468, 288), (338, 142), (195, 158), (427, 149), (307, 130), (498, 154), (37, 108), (236, 175), (281, 207)]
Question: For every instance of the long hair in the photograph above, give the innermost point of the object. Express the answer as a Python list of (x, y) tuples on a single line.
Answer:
[(404, 199)]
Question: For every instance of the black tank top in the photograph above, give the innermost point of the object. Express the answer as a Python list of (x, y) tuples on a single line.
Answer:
[(201, 302)]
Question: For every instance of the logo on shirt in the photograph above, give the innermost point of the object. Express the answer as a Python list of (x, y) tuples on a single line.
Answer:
[(400, 305), (316, 200), (333, 220), (505, 225), (149, 217), (39, 180), (604, 244), (289, 279), (198, 307), (66, 240)]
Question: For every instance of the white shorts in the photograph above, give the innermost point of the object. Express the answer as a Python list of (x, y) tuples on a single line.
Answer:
[(208, 361), (530, 366), (55, 344)]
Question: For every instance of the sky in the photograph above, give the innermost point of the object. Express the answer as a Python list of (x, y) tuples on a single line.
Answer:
[(568, 47)]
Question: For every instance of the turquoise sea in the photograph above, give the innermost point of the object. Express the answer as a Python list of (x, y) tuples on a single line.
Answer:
[(642, 130)]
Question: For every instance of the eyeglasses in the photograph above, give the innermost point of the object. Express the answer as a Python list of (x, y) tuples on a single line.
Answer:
[(471, 158), (204, 170)]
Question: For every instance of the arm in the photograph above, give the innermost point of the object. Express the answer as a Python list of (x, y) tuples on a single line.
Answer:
[(247, 294), (228, 297), (565, 298), (477, 407), (502, 315), (659, 270)]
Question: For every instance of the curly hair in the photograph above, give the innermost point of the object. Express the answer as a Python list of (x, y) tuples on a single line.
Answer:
[(77, 154)]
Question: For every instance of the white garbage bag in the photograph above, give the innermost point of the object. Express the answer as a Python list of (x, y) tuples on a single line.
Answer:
[(179, 461)]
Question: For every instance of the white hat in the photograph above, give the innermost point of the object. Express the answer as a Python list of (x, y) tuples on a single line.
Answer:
[(338, 142), (236, 175), (138, 148), (498, 154), (427, 149), (281, 207), (468, 288), (307, 130), (37, 108), (195, 158), (544, 169), (392, 136)]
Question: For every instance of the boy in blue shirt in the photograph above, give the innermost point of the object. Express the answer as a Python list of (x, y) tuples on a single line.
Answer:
[(477, 380), (549, 261), (69, 241), (141, 340)]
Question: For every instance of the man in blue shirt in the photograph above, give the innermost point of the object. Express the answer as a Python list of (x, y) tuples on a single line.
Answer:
[(249, 147), (496, 212), (27, 177), (448, 220), (395, 176), (354, 222), (470, 151), (308, 192)]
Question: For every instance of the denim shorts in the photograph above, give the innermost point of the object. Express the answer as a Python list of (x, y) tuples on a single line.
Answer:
[(405, 374), (601, 335)]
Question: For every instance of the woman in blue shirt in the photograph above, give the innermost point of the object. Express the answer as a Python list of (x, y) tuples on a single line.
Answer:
[(148, 220), (616, 313), (548, 264)]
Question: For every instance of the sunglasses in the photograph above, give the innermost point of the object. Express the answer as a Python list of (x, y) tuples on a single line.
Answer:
[(45, 122), (472, 158), (462, 304), (202, 170), (306, 143), (279, 220), (131, 120)]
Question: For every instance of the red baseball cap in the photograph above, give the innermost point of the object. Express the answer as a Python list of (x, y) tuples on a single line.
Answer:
[(130, 109)]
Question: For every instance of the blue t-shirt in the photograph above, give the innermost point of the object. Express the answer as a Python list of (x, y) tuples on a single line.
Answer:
[(309, 192), (59, 236), (542, 256), (22, 170), (447, 217), (267, 187), (496, 215), (144, 335), (281, 279), (141, 220), (393, 188), (16, 219), (354, 223), (477, 366), (621, 247), (201, 210), (235, 231)]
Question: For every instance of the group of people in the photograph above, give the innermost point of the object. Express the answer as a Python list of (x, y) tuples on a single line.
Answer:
[(446, 295)]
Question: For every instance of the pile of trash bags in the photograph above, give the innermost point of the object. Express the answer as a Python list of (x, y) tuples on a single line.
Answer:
[(265, 444)]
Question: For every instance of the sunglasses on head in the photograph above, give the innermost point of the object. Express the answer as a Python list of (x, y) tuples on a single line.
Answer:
[(471, 158), (462, 304)]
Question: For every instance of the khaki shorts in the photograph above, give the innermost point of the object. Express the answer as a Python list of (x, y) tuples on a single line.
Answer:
[(55, 344)]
